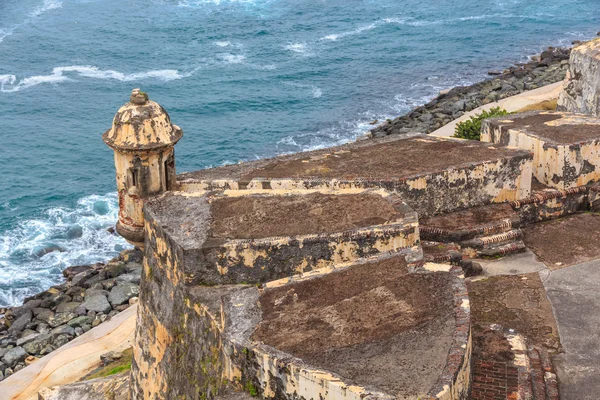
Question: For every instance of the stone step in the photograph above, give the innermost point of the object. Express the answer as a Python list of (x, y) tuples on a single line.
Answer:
[(493, 241), (502, 250), (469, 224)]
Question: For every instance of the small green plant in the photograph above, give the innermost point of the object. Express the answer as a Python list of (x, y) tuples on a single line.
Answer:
[(251, 389), (471, 128)]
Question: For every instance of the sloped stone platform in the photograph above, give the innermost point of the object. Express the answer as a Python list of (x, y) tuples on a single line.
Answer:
[(365, 330), (372, 324), (432, 174), (245, 237), (566, 146)]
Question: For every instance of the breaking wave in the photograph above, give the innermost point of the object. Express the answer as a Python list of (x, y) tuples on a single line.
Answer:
[(10, 83), (34, 252)]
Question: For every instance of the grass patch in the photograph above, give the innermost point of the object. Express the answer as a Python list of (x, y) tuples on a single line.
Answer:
[(118, 366), (546, 105), (471, 128)]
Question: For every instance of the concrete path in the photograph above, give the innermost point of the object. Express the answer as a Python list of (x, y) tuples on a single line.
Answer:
[(510, 104), (574, 293), (72, 361)]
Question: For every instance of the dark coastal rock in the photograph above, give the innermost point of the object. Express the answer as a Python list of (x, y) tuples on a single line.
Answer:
[(70, 306), (39, 343), (544, 69), (97, 303), (70, 272), (82, 277), (80, 321), (53, 317), (19, 324), (61, 318), (27, 339), (43, 314), (121, 293), (14, 355)]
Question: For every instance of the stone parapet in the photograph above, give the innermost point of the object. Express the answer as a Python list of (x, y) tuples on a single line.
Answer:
[(433, 175), (566, 147), (253, 237)]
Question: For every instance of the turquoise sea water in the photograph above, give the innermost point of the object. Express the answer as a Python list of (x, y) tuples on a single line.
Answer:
[(245, 79)]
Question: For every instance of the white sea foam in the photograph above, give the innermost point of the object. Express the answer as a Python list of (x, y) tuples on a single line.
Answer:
[(314, 90), (231, 58), (365, 28), (301, 48), (35, 251), (47, 5), (224, 43), (10, 83)]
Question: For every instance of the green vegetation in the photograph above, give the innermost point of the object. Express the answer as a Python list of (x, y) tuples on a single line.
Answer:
[(115, 367), (251, 389), (471, 128)]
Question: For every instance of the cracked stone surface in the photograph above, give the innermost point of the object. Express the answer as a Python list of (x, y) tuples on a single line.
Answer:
[(575, 296)]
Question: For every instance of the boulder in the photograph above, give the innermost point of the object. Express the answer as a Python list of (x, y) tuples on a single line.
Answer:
[(70, 272), (14, 355), (27, 339), (69, 306), (20, 323), (61, 318), (38, 344), (79, 321), (121, 293), (63, 330), (82, 277), (132, 277), (97, 303)]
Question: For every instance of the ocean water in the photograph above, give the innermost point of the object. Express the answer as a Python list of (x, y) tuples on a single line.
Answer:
[(245, 79)]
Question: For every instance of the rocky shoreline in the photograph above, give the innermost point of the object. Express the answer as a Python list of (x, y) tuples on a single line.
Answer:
[(91, 295), (544, 69)]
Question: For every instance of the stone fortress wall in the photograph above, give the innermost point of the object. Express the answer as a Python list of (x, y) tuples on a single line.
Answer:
[(303, 277)]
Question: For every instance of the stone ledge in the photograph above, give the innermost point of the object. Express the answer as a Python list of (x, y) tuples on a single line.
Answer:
[(432, 174), (352, 224)]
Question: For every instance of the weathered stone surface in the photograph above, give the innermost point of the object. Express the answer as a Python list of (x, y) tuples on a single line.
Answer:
[(469, 173), (63, 330), (97, 303), (121, 293), (61, 318), (581, 92), (110, 388), (14, 355), (565, 145), (246, 243)]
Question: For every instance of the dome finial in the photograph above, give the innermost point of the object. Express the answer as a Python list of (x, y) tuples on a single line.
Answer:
[(138, 97)]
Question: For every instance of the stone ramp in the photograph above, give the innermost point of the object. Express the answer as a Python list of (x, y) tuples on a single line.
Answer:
[(109, 388), (72, 361)]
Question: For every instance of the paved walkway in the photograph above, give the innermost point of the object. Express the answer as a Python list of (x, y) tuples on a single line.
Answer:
[(72, 361), (510, 104), (574, 293)]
